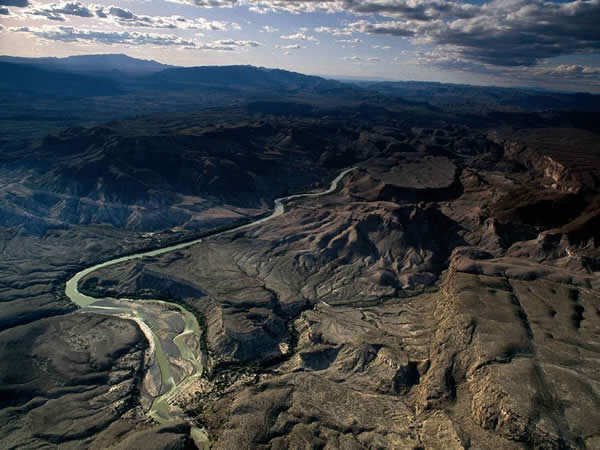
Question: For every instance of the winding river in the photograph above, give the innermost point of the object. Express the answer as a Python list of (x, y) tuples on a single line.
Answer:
[(144, 314)]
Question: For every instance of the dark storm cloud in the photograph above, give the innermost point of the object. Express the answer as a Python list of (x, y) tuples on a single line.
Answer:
[(414, 9), (501, 32), (521, 32), (424, 10), (17, 3)]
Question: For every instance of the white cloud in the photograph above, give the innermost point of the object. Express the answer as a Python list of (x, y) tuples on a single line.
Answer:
[(269, 29), (291, 6), (299, 37), (208, 3), (289, 47), (134, 38), (349, 41), (334, 31), (123, 16), (58, 11)]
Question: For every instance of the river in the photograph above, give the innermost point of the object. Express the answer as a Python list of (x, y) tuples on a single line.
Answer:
[(149, 313)]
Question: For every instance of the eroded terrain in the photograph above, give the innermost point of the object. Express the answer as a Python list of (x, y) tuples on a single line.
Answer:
[(444, 297)]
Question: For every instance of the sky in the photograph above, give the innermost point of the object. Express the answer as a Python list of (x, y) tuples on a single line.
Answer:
[(538, 43)]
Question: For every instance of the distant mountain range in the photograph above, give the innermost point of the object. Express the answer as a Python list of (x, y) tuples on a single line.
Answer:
[(121, 73), (42, 95), (34, 80), (92, 64), (243, 76)]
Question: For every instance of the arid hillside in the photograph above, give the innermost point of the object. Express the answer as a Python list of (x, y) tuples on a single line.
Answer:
[(423, 305)]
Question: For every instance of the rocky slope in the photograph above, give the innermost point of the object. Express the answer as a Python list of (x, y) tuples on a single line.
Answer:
[(150, 176), (56, 220), (446, 296), (73, 381), (421, 306)]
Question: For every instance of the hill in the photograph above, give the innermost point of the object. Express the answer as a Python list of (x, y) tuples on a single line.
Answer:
[(242, 77)]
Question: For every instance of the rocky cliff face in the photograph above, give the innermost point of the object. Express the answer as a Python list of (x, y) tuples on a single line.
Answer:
[(564, 156), (559, 177)]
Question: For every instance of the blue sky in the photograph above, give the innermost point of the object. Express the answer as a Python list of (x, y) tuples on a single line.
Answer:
[(550, 44)]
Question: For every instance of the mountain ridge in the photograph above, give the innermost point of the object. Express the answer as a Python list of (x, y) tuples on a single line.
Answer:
[(105, 62)]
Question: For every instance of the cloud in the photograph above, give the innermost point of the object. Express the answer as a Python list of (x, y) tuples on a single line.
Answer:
[(124, 17), (70, 34), (499, 32), (300, 36), (235, 43), (334, 31), (562, 75), (134, 38), (392, 28), (208, 3), (349, 41), (414, 9), (490, 37), (57, 11), (289, 47), (357, 59), (451, 61), (519, 32), (269, 29), (291, 6), (573, 69)]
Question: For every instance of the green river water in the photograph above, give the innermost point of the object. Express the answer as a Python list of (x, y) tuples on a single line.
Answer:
[(134, 310)]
